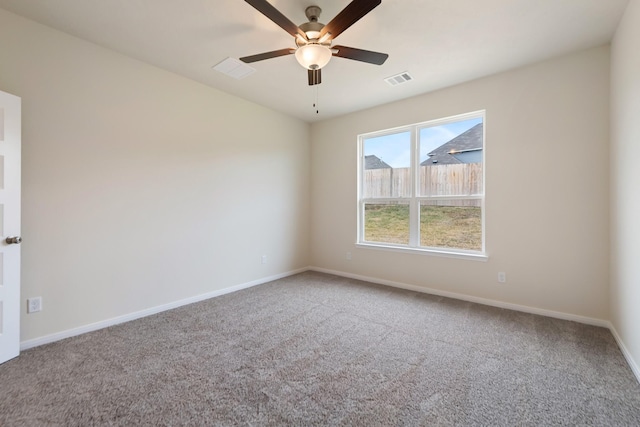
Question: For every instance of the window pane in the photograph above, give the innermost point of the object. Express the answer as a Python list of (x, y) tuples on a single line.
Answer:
[(451, 159), (386, 223), (455, 224), (387, 161)]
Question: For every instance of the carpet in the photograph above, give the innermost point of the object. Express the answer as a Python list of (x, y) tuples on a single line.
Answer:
[(317, 349)]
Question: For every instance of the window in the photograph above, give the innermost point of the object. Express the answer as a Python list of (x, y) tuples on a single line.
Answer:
[(421, 187)]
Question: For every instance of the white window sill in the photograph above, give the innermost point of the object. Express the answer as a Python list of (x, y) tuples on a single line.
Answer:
[(474, 256)]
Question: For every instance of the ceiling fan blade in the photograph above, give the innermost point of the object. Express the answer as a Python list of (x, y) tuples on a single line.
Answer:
[(267, 55), (349, 15), (315, 77), (368, 56), (274, 14)]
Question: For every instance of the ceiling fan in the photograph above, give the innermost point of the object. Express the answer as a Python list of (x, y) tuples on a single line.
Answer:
[(313, 39)]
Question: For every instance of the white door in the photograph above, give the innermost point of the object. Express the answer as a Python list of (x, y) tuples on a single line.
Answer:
[(9, 226)]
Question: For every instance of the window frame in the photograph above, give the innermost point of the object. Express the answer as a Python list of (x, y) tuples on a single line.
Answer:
[(415, 200)]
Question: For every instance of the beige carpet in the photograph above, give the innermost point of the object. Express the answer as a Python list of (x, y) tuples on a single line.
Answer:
[(315, 349)]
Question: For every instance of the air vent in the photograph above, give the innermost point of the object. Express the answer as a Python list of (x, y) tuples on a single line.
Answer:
[(398, 79), (234, 68)]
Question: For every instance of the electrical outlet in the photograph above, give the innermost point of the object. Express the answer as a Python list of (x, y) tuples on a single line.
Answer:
[(264, 259), (34, 304), (349, 256), (502, 277)]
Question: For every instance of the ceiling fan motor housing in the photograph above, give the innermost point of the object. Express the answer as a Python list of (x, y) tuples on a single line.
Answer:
[(312, 30)]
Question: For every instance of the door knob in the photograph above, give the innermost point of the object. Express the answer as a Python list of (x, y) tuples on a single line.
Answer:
[(13, 240)]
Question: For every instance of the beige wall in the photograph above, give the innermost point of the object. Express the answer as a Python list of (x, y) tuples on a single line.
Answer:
[(625, 182), (547, 188), (140, 187)]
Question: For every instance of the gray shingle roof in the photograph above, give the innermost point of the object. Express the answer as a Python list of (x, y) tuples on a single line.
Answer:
[(471, 140), (374, 162)]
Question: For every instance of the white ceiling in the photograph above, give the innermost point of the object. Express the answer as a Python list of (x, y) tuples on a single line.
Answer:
[(439, 42)]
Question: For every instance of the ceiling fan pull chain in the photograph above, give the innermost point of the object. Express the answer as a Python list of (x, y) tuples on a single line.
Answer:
[(315, 104)]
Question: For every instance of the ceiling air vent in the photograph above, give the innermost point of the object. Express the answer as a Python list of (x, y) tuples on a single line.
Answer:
[(234, 68), (398, 79)]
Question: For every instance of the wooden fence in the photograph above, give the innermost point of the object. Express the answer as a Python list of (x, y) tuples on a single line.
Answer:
[(435, 180)]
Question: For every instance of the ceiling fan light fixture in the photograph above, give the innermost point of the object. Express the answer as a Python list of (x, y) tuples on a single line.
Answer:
[(313, 56)]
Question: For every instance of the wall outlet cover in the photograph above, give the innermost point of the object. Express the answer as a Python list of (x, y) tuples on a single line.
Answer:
[(34, 304)]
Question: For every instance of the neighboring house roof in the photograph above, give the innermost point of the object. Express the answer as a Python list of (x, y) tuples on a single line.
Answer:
[(374, 162), (464, 148)]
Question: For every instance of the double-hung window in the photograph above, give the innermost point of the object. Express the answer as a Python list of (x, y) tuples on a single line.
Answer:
[(421, 187)]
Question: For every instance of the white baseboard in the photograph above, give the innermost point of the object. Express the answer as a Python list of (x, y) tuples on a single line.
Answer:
[(625, 352), (24, 345), (485, 301)]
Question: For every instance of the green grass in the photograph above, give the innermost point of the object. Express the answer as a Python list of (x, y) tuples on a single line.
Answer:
[(441, 226), (386, 223)]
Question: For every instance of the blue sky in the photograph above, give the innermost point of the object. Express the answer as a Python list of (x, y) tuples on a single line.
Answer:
[(395, 149)]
